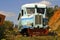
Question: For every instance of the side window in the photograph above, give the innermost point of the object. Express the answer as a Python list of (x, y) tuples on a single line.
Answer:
[(30, 10), (40, 10), (22, 12)]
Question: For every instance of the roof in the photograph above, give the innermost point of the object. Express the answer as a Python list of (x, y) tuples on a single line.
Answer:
[(33, 5)]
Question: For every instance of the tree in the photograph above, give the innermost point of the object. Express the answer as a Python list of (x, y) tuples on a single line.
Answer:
[(10, 32), (6, 29), (50, 12), (8, 25), (56, 7)]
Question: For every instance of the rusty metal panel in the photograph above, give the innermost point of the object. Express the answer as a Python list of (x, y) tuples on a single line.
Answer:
[(2, 18), (54, 21)]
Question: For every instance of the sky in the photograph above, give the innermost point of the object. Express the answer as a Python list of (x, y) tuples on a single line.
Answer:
[(11, 8)]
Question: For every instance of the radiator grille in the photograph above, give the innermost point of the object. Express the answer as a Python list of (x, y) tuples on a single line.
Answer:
[(38, 19)]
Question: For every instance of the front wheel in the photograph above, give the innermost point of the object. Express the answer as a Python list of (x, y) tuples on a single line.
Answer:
[(24, 32)]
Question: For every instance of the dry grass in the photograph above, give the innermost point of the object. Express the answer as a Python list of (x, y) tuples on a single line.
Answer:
[(38, 38)]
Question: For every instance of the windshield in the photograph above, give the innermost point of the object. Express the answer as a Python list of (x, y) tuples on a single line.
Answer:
[(30, 10), (40, 10)]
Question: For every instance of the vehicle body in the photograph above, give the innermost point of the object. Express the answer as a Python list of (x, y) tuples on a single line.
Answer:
[(33, 20)]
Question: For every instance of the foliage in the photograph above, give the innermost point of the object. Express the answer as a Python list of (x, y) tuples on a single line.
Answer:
[(50, 12), (56, 7), (10, 32), (6, 29), (8, 25)]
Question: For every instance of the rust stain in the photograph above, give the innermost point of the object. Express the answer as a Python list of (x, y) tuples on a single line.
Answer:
[(54, 22), (2, 18)]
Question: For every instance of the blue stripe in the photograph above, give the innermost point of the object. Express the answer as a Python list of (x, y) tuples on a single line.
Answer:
[(27, 18), (25, 26)]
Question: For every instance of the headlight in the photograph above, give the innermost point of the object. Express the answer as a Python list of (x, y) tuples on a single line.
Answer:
[(28, 24)]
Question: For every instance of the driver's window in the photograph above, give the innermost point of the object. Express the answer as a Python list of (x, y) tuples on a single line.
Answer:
[(30, 10)]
